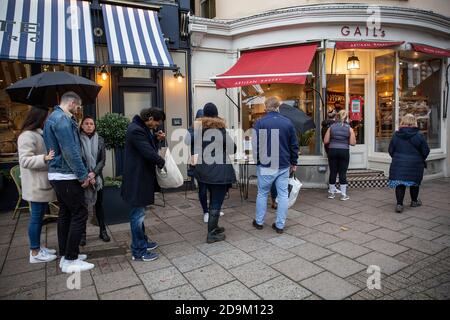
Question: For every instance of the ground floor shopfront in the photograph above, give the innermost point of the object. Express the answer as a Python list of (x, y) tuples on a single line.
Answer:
[(376, 74), (130, 58)]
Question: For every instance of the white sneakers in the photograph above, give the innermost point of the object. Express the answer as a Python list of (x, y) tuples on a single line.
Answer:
[(49, 251), (42, 257), (70, 266), (206, 216), (81, 257)]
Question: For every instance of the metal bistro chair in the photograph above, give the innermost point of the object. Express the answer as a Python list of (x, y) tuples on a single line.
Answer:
[(15, 174)]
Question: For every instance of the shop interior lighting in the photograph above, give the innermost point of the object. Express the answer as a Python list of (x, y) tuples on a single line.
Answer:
[(353, 62)]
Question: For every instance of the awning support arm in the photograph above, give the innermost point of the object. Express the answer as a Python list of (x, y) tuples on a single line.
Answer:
[(237, 106)]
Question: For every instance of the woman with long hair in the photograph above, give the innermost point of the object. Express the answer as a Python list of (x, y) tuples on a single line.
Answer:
[(409, 150), (339, 137), (94, 156), (33, 161)]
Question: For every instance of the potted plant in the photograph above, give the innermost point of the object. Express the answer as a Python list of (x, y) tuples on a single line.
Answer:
[(113, 127), (305, 140)]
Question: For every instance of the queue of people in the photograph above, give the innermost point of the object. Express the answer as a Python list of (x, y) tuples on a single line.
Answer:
[(59, 160)]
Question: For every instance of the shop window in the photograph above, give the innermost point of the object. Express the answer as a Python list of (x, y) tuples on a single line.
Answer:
[(12, 114), (208, 8), (420, 93), (384, 105), (295, 95)]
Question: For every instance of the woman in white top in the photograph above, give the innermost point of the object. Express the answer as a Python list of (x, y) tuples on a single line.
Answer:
[(36, 189)]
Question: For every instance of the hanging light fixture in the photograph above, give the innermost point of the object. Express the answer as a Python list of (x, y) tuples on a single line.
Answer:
[(178, 75), (104, 73), (353, 62)]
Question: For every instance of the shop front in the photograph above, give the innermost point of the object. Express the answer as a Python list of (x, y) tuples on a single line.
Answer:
[(376, 74), (118, 44)]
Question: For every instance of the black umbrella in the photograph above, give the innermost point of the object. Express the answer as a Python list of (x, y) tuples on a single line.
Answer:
[(301, 121), (45, 89)]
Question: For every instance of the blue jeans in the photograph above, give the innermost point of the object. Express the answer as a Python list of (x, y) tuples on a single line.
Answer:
[(138, 237), (267, 176), (38, 210), (203, 195)]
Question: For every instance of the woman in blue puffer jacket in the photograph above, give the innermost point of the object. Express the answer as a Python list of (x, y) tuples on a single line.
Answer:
[(409, 150)]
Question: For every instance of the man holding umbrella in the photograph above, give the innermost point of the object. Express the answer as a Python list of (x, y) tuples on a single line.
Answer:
[(276, 146), (68, 176)]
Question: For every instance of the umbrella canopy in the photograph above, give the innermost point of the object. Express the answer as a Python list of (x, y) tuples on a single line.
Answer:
[(45, 89), (301, 121)]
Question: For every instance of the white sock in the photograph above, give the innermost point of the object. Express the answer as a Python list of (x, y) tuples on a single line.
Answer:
[(332, 188), (344, 189)]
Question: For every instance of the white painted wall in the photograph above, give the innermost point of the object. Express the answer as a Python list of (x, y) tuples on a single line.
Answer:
[(232, 9), (176, 100)]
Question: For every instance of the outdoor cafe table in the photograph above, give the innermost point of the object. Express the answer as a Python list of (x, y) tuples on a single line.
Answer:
[(244, 177)]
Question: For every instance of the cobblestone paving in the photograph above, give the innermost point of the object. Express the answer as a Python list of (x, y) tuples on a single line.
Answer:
[(324, 252)]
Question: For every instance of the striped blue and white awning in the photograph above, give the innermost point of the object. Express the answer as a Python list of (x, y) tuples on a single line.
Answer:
[(134, 37), (51, 31)]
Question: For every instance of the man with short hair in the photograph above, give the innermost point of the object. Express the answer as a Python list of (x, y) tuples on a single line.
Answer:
[(139, 176), (276, 152), (68, 176)]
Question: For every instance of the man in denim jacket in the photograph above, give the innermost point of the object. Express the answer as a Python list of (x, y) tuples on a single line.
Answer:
[(68, 176)]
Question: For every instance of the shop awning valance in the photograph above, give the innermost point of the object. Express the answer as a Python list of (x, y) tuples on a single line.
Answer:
[(134, 37), (51, 31), (340, 45), (275, 65), (430, 50)]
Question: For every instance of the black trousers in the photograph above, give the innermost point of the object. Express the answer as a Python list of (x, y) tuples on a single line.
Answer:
[(99, 213), (217, 194), (401, 190), (72, 216), (338, 160)]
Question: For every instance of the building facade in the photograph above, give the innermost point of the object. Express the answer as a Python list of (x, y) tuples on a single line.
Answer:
[(138, 51), (377, 62)]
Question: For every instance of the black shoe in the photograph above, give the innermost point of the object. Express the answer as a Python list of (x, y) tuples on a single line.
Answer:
[(220, 230), (399, 208), (83, 240), (417, 203), (104, 236), (257, 226), (214, 234), (274, 227)]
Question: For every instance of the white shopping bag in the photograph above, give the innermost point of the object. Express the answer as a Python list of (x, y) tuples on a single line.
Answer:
[(169, 176), (294, 186)]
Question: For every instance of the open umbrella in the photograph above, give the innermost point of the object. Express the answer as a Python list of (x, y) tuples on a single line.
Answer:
[(301, 121), (45, 89)]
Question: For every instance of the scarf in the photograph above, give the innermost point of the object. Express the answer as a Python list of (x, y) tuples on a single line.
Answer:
[(89, 146)]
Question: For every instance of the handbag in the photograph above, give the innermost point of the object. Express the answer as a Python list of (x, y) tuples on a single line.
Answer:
[(169, 176)]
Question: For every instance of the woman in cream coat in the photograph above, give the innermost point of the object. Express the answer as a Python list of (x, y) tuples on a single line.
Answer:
[(36, 188)]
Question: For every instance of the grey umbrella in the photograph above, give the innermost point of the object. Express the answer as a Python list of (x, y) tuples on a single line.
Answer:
[(301, 121)]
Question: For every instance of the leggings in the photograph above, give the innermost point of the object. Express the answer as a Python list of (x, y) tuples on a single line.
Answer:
[(338, 160), (400, 193)]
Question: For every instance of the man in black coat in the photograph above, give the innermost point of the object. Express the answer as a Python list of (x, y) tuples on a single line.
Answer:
[(139, 176)]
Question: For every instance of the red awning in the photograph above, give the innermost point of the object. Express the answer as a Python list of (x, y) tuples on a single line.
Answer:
[(367, 44), (275, 65), (430, 50)]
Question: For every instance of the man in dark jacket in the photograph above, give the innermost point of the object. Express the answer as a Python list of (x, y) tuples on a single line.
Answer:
[(139, 176), (275, 148)]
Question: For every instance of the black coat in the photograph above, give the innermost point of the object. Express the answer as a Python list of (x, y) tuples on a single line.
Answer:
[(220, 171), (408, 149), (141, 158)]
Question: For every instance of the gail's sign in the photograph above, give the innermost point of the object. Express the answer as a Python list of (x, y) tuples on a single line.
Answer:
[(357, 31)]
